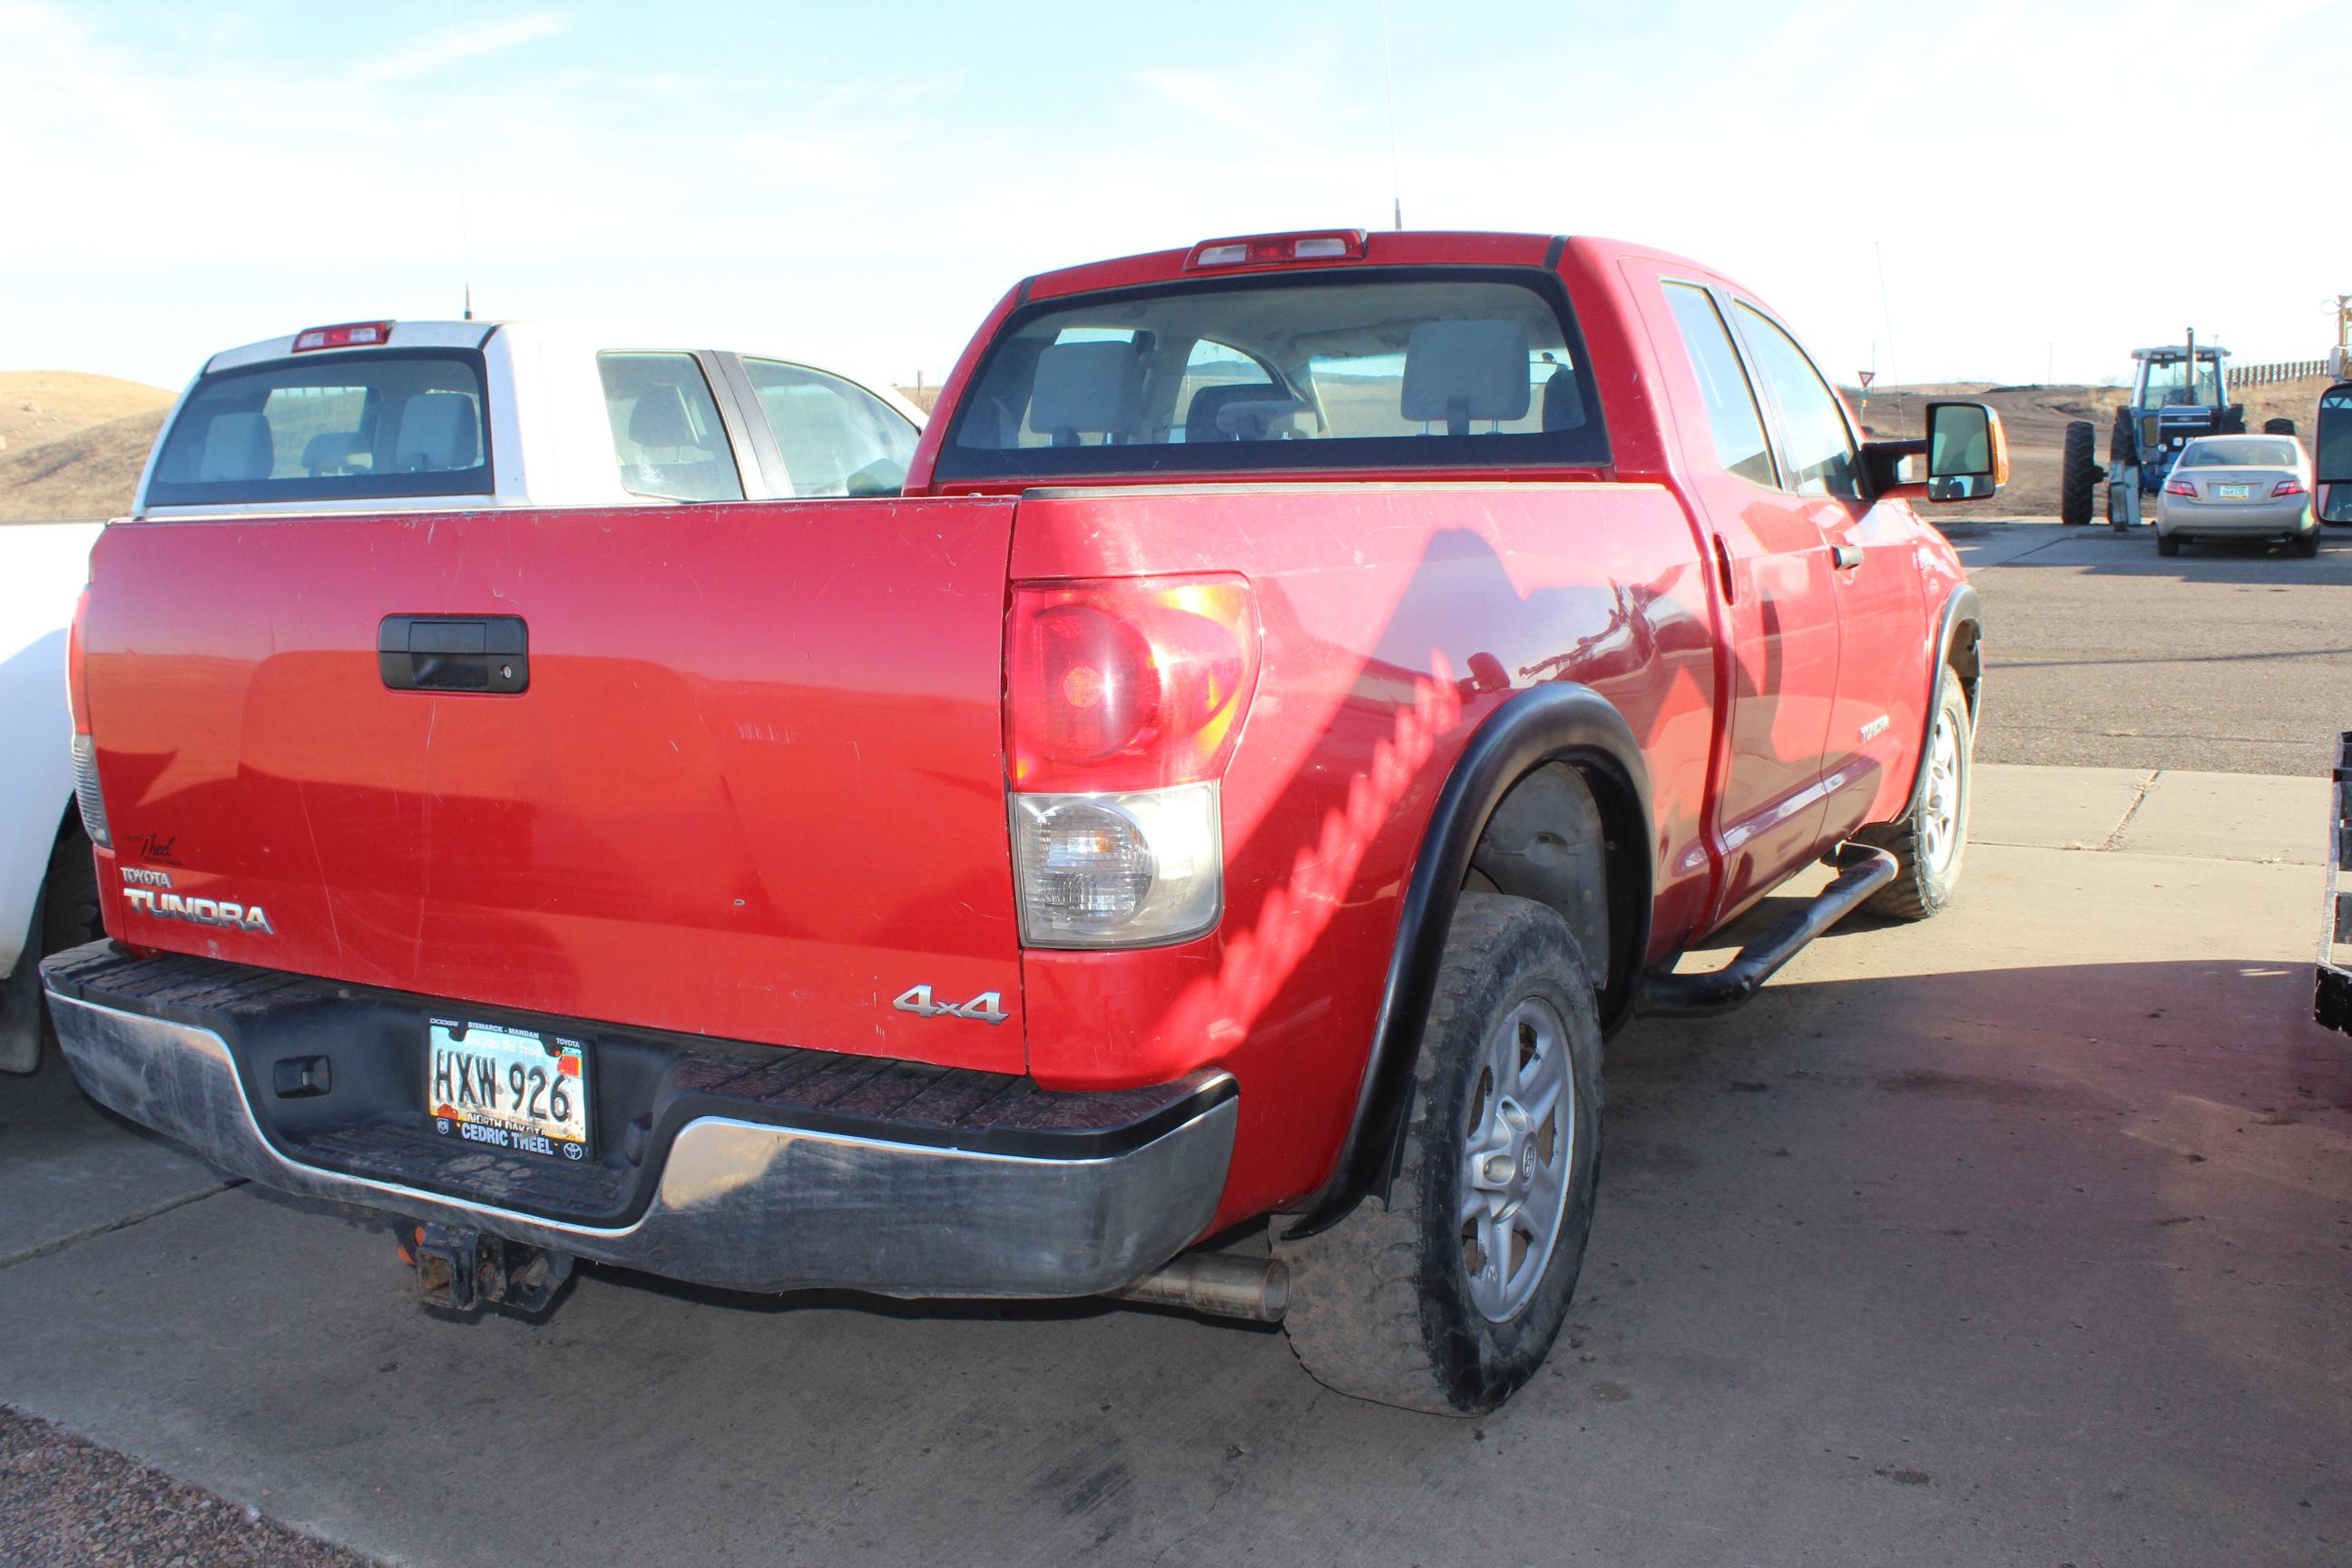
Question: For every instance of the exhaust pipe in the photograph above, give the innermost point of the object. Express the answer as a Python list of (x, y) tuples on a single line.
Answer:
[(1218, 1285)]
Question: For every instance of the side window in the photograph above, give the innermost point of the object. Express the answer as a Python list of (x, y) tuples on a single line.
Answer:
[(1731, 417), (837, 439), (1822, 458), (667, 436)]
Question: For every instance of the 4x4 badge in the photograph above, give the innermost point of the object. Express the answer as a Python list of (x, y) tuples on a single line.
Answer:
[(983, 1008)]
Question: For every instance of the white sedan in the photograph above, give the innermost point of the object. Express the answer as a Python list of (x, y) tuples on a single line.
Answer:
[(2237, 487)]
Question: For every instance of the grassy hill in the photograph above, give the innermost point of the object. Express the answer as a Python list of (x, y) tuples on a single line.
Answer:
[(90, 473), (72, 445)]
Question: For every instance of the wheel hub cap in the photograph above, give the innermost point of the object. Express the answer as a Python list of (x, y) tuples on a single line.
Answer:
[(1939, 822), (1518, 1150)]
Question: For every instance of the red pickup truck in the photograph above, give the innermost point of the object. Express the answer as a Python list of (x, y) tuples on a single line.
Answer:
[(1311, 689)]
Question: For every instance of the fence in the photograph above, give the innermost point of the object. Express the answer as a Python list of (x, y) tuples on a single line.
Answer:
[(2287, 370)]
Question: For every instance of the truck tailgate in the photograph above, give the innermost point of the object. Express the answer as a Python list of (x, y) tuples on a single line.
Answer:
[(753, 787)]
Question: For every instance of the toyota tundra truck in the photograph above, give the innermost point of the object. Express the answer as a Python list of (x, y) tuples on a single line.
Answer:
[(1190, 843)]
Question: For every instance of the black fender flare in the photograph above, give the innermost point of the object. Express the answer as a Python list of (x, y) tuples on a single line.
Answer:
[(1559, 722), (1963, 608)]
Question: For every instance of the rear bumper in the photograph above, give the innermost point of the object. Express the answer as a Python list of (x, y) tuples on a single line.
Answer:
[(749, 1168), (2259, 519)]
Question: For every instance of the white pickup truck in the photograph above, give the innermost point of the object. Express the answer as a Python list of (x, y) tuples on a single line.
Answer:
[(401, 415)]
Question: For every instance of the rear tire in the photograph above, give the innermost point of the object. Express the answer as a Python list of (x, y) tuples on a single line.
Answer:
[(1409, 1304), (2168, 544), (2078, 474), (2120, 447), (1930, 841), (2306, 545), (2278, 427), (65, 914), (2233, 420)]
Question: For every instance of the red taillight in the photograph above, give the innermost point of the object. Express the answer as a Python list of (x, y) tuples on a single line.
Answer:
[(1127, 684), (348, 335), (76, 677), (2181, 488), (2287, 488), (1273, 250)]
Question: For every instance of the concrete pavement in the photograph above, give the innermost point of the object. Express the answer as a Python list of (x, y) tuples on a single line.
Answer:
[(2021, 1235), (2230, 658)]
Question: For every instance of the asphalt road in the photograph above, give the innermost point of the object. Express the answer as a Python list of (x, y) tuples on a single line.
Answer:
[(2225, 658), (2019, 1236)]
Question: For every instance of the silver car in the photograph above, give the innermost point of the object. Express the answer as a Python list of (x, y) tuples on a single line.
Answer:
[(2237, 487)]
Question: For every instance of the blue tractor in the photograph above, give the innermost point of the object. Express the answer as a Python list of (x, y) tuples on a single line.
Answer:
[(2177, 393)]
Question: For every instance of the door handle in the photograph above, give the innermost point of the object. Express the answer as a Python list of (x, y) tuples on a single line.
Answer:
[(1847, 556), (485, 654)]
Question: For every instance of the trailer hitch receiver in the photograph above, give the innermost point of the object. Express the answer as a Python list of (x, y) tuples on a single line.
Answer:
[(463, 1271)]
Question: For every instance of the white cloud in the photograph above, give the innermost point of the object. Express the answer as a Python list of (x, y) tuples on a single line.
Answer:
[(464, 44)]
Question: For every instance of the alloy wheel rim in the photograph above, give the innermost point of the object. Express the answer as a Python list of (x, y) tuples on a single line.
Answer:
[(1940, 822), (1519, 1145)]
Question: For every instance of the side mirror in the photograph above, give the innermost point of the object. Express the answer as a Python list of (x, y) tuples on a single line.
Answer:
[(2331, 455), (1968, 454)]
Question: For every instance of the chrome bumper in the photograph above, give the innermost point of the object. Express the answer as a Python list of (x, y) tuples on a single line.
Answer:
[(740, 1203)]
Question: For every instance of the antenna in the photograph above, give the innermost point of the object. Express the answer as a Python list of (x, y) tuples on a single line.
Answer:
[(1885, 315), (1388, 71), (464, 197)]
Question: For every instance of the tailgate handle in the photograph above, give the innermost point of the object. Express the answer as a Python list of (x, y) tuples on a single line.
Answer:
[(485, 654)]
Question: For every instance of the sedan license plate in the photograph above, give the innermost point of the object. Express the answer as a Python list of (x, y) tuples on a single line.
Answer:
[(508, 1088), (2234, 492)]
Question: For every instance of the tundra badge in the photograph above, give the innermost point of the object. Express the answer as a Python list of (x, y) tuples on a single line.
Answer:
[(146, 900)]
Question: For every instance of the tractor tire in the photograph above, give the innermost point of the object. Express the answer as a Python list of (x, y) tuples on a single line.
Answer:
[(1404, 1304), (2233, 420), (2278, 427), (2121, 447), (2078, 474)]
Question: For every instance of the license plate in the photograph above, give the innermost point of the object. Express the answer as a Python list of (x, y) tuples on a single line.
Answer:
[(508, 1088), (2234, 492)]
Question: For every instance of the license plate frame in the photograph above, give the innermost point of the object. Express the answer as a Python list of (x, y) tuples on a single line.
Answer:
[(2233, 492), (509, 1090)]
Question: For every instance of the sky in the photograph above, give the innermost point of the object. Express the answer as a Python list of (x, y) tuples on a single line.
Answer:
[(2004, 191)]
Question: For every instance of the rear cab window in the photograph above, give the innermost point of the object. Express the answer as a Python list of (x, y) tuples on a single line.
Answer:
[(1357, 368), (378, 423)]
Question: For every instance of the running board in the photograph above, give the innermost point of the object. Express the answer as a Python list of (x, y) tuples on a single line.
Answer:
[(1861, 871)]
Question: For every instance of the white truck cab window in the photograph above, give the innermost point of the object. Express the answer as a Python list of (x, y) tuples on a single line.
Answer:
[(666, 433), (836, 439)]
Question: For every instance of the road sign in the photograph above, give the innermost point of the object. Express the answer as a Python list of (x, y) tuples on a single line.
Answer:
[(1867, 377)]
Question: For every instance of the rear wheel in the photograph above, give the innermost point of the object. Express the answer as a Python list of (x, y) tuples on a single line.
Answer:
[(2307, 544), (1447, 1299), (2168, 544), (1931, 839), (2120, 447), (65, 914), (2278, 427), (2078, 474), (2233, 420)]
